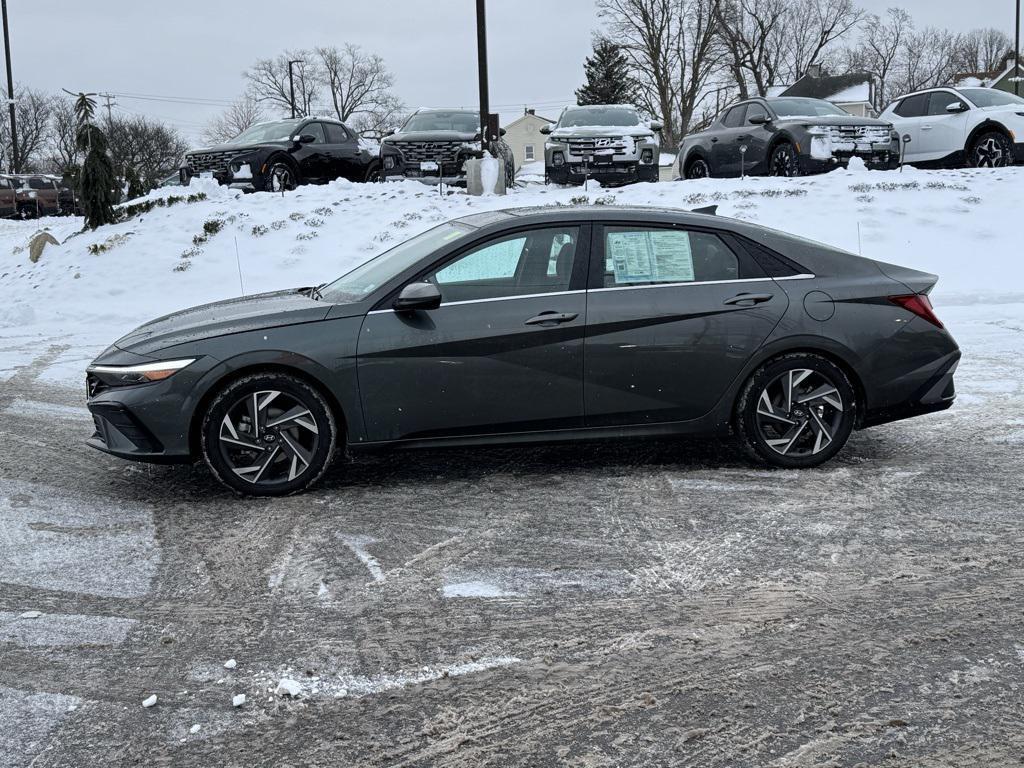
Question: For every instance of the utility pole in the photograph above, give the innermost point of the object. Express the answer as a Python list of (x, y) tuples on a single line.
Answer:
[(109, 99), (291, 83), (15, 161), (481, 52)]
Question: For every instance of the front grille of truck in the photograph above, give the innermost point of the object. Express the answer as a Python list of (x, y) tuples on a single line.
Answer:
[(859, 134), (429, 151), (203, 162), (597, 146)]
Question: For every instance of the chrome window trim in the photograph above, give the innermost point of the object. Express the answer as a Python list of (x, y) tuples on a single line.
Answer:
[(682, 284), (495, 298)]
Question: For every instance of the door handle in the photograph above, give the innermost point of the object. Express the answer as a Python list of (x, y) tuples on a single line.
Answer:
[(714, 139), (749, 299), (552, 318), (926, 127), (744, 137)]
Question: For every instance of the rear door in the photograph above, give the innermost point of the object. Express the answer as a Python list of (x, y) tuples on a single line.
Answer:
[(907, 119), (725, 149), (673, 315), (502, 354), (343, 150)]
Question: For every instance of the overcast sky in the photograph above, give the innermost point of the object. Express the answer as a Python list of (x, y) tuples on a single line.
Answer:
[(197, 49)]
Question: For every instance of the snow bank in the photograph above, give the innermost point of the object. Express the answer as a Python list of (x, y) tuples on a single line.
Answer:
[(95, 286)]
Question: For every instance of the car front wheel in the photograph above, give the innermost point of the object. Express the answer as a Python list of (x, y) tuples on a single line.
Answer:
[(268, 434), (281, 177), (698, 169), (990, 150), (796, 411), (784, 161)]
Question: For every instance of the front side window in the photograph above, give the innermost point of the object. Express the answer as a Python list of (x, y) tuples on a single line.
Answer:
[(734, 117), (336, 134), (539, 261), (755, 110), (317, 130), (939, 100), (652, 256)]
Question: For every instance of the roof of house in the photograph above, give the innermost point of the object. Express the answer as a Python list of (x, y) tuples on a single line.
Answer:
[(526, 115), (844, 89), (983, 79)]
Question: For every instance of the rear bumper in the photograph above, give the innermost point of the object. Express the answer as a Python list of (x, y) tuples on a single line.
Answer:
[(937, 393)]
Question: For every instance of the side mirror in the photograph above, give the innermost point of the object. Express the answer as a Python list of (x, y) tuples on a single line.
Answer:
[(956, 106), (656, 126), (501, 131), (545, 129), (759, 120), (306, 138), (418, 296), (392, 131)]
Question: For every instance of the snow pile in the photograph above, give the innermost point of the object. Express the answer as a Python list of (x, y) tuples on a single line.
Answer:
[(96, 286)]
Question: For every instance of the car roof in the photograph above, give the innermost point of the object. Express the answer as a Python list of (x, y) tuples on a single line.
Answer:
[(513, 217)]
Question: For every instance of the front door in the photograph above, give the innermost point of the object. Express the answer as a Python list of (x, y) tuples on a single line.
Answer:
[(755, 138), (942, 132), (502, 354), (314, 163), (674, 316)]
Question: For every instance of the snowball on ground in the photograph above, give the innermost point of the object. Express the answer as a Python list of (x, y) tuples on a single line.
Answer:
[(238, 700), (151, 701), (230, 664), (288, 687)]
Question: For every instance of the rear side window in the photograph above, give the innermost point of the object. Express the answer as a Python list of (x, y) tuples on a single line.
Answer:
[(650, 256), (734, 117), (912, 106), (336, 134), (772, 263)]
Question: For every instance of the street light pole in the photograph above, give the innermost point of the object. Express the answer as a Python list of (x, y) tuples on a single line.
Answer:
[(291, 82), (15, 162), (481, 52)]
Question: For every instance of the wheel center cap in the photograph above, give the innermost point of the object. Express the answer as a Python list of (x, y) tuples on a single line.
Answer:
[(799, 413), (269, 437)]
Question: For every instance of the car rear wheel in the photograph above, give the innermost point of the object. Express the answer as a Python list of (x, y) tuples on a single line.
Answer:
[(783, 161), (281, 177), (698, 169), (268, 435), (373, 174), (796, 411), (991, 150)]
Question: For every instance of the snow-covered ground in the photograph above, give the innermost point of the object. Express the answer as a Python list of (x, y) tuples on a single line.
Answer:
[(95, 286)]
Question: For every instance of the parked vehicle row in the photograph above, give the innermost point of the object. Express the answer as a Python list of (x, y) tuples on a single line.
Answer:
[(29, 196), (937, 127)]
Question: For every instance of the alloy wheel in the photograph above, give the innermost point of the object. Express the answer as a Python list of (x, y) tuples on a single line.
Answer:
[(989, 153), (268, 437), (281, 178), (698, 170), (783, 162), (799, 412)]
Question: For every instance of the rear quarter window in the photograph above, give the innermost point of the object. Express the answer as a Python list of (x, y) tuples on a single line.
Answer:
[(657, 256)]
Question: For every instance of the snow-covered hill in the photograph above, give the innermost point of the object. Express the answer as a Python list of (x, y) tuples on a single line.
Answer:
[(95, 286)]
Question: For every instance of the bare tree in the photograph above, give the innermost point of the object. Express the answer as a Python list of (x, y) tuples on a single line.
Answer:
[(62, 153), (670, 44), (240, 116), (358, 82), (810, 31), (269, 84), (983, 50), (925, 59), (144, 151), (879, 50), (750, 31), (389, 114), (33, 110)]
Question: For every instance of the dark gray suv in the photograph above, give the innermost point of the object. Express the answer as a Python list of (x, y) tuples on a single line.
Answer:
[(535, 325)]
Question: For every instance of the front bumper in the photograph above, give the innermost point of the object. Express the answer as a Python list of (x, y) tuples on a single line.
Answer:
[(251, 182), (606, 173), (883, 160)]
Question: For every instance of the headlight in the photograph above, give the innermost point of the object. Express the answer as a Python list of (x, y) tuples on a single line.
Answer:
[(120, 375), (647, 156), (557, 158), (817, 130)]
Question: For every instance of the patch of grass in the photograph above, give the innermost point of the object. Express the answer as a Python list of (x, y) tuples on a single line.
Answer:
[(259, 230), (314, 223), (324, 211), (128, 211), (307, 235), (113, 241), (278, 224)]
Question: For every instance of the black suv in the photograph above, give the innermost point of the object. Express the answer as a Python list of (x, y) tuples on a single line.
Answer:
[(433, 146), (280, 155), (786, 137)]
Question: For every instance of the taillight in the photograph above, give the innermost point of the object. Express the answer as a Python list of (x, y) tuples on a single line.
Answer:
[(920, 305)]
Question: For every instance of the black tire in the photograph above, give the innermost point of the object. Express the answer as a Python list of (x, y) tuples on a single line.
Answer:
[(373, 174), (991, 149), (783, 161), (798, 433), (698, 168), (283, 454), (281, 177), (28, 212)]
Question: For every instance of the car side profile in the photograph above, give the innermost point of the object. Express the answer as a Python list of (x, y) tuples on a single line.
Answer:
[(530, 325), (977, 127), (282, 154), (785, 136)]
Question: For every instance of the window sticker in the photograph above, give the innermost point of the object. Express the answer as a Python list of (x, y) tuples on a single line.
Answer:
[(651, 257)]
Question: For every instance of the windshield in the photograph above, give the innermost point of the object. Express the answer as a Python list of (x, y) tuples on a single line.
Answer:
[(278, 131), (990, 97), (462, 122), (581, 116), (365, 279), (804, 108)]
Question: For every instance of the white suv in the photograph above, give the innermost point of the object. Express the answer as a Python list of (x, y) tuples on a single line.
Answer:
[(979, 127)]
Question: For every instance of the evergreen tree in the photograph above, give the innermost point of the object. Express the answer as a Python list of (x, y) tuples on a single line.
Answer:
[(608, 77), (96, 181)]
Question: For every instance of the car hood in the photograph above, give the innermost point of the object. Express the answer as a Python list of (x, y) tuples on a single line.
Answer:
[(241, 147), (831, 120), (430, 136), (1000, 108), (248, 313), (590, 131)]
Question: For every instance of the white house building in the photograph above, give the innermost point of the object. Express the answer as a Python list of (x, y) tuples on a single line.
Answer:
[(525, 139)]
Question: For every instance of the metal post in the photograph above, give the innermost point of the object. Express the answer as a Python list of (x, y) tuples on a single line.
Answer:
[(15, 162), (291, 83), (1017, 50), (481, 52)]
